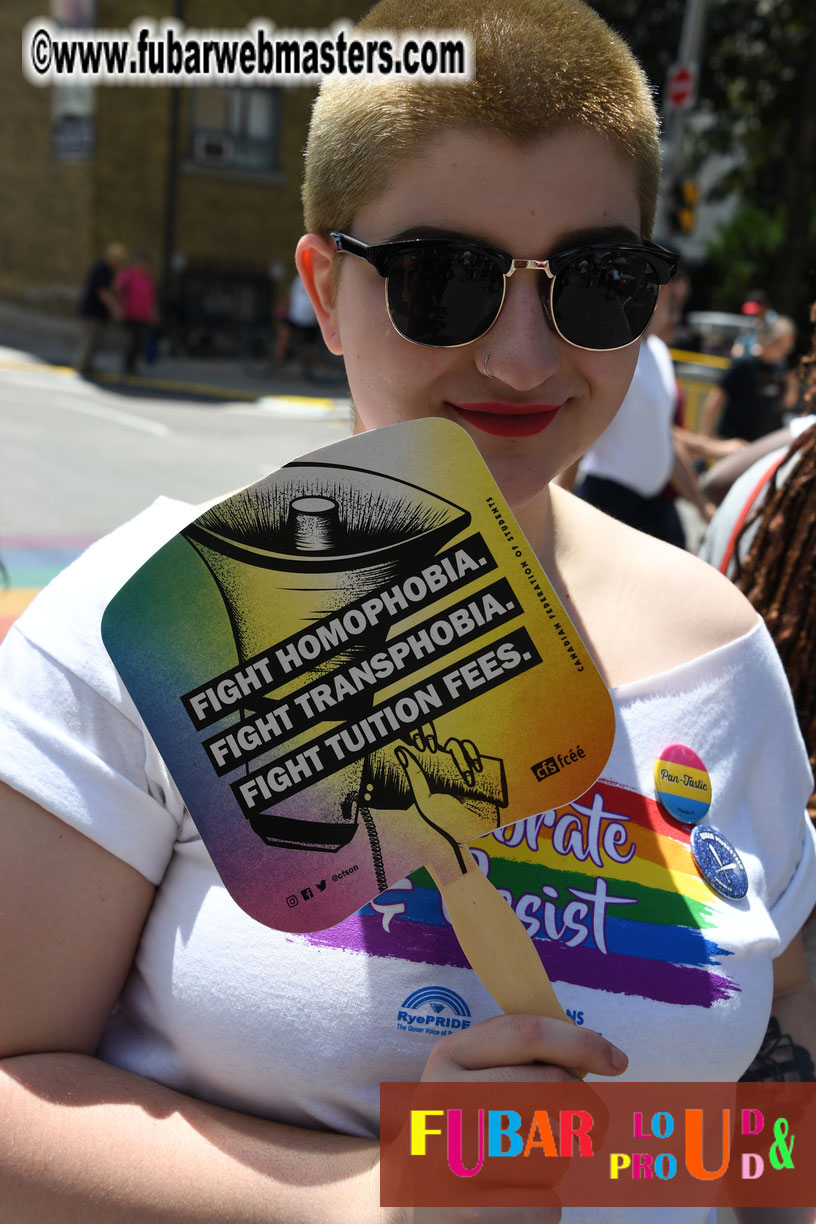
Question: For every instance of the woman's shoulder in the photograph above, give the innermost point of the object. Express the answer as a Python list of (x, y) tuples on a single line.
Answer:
[(645, 606)]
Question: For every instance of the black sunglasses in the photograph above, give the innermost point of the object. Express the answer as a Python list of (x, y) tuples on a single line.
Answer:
[(446, 292)]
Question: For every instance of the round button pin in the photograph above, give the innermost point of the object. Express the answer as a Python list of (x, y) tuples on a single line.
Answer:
[(718, 863), (682, 783)]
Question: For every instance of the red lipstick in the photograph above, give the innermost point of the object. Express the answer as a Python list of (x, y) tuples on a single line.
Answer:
[(508, 420)]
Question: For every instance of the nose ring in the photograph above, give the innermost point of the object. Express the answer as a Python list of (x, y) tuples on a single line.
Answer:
[(487, 372)]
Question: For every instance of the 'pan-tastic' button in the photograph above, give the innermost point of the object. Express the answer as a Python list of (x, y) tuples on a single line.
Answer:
[(682, 783)]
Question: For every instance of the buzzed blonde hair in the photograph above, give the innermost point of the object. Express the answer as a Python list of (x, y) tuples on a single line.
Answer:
[(541, 66)]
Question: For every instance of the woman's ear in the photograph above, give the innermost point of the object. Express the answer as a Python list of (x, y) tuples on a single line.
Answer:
[(314, 257)]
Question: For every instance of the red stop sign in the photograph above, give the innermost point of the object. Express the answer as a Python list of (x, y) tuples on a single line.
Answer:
[(681, 86)]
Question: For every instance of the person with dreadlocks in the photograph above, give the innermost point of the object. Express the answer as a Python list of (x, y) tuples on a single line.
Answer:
[(764, 538)]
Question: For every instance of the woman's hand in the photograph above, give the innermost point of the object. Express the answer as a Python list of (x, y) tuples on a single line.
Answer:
[(528, 1049), (522, 1049)]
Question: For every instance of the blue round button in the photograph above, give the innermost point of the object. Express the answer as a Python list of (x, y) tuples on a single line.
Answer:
[(718, 863)]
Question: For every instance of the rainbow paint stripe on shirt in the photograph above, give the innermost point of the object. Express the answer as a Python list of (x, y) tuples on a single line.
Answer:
[(607, 888)]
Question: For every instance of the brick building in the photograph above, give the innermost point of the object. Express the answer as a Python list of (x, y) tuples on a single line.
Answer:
[(81, 167)]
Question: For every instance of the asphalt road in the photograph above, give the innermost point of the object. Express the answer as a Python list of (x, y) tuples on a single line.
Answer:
[(79, 458)]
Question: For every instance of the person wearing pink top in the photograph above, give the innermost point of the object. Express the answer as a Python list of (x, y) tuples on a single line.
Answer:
[(136, 291)]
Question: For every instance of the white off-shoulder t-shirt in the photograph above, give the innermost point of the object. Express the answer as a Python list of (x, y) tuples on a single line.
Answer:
[(303, 1028)]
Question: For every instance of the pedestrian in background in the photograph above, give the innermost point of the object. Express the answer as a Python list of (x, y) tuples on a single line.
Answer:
[(98, 304), (136, 293), (637, 468), (755, 390), (299, 318), (757, 309)]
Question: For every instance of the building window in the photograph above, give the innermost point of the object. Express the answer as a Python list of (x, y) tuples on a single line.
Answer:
[(73, 103), (235, 129)]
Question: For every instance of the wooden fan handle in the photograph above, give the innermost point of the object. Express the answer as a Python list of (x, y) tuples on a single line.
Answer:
[(497, 944)]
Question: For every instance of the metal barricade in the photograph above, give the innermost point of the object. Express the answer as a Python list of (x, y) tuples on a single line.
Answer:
[(697, 374)]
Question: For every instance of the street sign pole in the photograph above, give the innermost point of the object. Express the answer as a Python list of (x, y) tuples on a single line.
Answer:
[(675, 112), (171, 176)]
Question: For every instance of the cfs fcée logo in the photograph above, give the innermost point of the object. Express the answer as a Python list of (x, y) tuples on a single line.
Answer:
[(554, 764), (433, 1010)]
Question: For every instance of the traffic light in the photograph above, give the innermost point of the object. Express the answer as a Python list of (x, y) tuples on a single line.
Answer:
[(684, 203)]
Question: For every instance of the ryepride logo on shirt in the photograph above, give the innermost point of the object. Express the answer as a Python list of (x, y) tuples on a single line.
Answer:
[(434, 1010)]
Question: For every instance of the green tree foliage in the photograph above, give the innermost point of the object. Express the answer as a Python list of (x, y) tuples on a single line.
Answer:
[(758, 86), (741, 254)]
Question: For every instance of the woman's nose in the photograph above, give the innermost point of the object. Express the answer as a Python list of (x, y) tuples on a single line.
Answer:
[(524, 350)]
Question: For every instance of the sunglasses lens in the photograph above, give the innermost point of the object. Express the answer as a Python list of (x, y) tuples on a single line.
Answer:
[(604, 299), (443, 295)]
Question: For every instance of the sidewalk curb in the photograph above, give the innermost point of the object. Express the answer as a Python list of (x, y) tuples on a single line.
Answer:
[(281, 405)]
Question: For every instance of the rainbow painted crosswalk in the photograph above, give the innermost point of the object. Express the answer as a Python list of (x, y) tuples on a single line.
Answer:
[(30, 563)]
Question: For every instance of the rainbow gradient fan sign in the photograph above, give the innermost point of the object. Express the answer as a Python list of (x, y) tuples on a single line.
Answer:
[(355, 666)]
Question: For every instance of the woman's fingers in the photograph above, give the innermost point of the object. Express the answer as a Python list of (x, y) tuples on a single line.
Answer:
[(522, 1047)]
